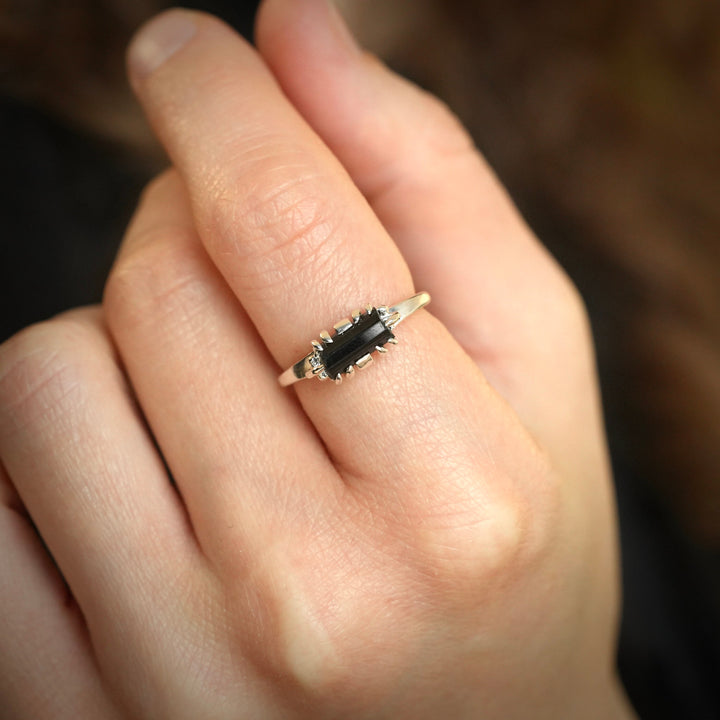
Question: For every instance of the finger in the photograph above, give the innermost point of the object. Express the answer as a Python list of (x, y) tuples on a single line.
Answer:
[(299, 246), (455, 225), (90, 477), (241, 452), (46, 667)]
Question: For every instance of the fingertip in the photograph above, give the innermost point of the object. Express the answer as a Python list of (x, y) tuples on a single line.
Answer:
[(159, 39)]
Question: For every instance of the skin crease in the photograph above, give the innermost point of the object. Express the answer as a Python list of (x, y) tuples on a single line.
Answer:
[(436, 537)]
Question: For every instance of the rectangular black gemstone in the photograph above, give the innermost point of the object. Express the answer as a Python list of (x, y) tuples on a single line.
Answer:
[(348, 347)]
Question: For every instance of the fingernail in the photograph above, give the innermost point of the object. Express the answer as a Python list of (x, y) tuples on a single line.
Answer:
[(158, 40)]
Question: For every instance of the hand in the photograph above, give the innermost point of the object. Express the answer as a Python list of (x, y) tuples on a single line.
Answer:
[(434, 538)]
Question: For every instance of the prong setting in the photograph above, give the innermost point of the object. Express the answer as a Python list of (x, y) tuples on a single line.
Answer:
[(354, 342), (393, 320), (364, 361), (342, 326)]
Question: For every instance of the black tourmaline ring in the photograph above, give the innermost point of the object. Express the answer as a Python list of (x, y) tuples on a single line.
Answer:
[(368, 330)]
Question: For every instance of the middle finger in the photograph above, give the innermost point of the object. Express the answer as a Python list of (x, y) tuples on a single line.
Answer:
[(300, 247)]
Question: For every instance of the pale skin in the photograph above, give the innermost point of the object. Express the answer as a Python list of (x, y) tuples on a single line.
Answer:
[(433, 538)]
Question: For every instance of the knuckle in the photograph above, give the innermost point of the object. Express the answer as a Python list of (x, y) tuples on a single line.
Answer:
[(41, 373), (436, 146), (271, 215), (326, 640), (485, 533), (466, 544), (575, 311), (159, 186), (440, 127), (569, 321), (435, 126), (153, 280)]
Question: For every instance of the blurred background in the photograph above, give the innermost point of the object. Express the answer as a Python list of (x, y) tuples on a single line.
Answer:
[(602, 120)]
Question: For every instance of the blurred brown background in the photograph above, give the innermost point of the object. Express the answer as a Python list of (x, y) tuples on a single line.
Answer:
[(602, 119)]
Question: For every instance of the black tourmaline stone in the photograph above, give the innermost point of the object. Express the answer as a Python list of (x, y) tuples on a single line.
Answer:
[(348, 347)]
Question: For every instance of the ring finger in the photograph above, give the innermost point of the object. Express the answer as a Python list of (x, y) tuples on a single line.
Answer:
[(205, 382)]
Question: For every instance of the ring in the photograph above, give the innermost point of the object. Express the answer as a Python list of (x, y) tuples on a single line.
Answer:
[(354, 341)]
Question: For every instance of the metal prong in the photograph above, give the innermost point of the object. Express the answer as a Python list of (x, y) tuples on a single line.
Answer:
[(393, 320), (338, 379), (325, 337), (383, 310), (350, 371), (364, 361), (342, 326), (356, 315), (323, 375), (381, 349), (393, 341), (368, 308), (317, 345)]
